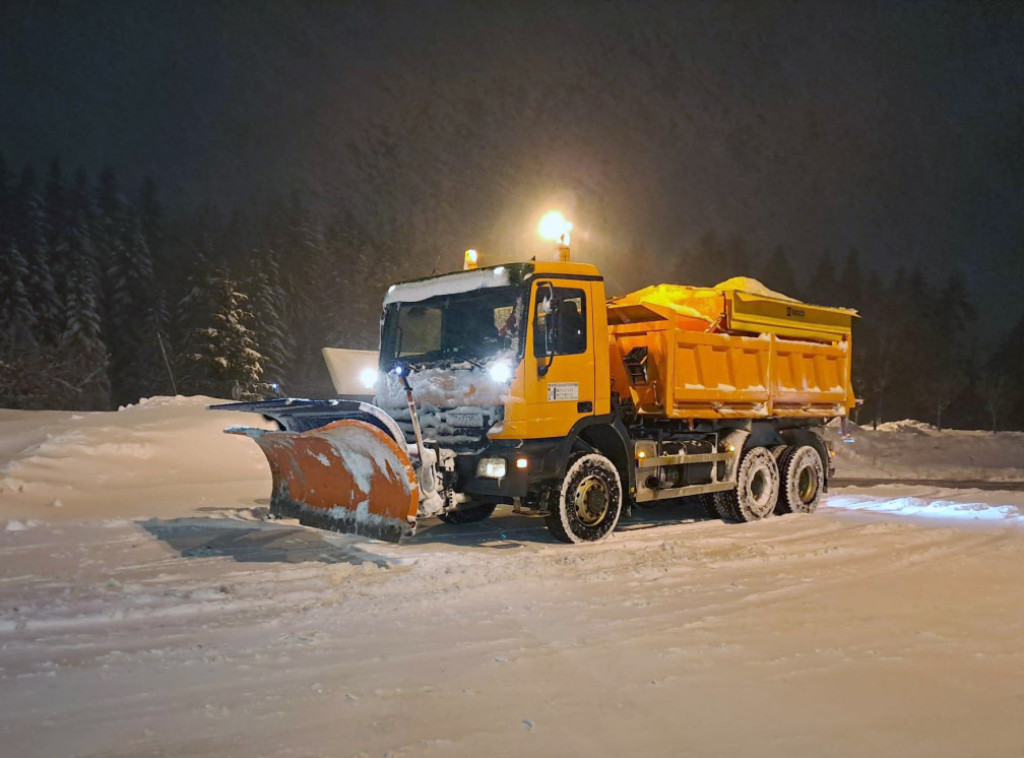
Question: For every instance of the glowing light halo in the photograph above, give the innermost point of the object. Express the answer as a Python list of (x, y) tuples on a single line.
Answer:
[(554, 227)]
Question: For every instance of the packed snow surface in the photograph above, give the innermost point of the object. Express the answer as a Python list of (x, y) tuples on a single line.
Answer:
[(154, 612)]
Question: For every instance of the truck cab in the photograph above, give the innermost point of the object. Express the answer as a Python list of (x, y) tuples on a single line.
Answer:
[(507, 365)]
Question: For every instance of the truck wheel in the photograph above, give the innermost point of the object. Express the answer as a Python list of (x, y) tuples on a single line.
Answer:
[(757, 488), (707, 504), (802, 480), (589, 500), (468, 515)]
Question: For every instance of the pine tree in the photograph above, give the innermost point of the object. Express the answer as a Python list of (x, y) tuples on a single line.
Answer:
[(29, 231), (851, 280), (222, 352), (83, 350), (778, 273), (822, 287), (55, 212), (872, 287), (150, 214), (5, 204), (955, 308), (879, 346), (704, 265), (1006, 396), (312, 284), (133, 305), (735, 256), (108, 229), (17, 314), (270, 307)]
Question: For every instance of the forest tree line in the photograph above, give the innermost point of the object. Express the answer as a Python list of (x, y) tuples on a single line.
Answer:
[(102, 301), (105, 299)]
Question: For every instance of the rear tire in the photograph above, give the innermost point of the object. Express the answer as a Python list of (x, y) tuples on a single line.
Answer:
[(468, 515), (707, 504), (757, 488), (589, 500), (802, 477)]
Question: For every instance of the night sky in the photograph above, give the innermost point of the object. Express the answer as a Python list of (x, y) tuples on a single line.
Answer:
[(895, 127)]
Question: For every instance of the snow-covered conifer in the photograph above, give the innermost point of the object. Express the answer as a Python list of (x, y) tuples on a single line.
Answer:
[(133, 305), (17, 315), (270, 308), (83, 350), (29, 231), (223, 353)]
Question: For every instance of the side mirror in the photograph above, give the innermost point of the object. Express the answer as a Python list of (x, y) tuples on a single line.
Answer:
[(543, 325)]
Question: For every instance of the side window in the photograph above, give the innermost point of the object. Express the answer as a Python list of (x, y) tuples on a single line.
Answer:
[(560, 322)]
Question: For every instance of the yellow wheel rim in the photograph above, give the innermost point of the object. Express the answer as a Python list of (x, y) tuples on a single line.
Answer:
[(591, 501)]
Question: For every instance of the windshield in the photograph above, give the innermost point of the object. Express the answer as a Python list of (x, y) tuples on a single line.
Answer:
[(473, 326)]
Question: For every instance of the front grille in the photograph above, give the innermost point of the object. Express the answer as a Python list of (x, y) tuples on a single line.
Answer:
[(459, 428)]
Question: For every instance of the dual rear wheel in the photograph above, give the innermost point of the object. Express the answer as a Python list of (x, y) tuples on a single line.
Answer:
[(789, 479)]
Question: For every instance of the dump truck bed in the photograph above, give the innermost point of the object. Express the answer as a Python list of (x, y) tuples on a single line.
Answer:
[(715, 353)]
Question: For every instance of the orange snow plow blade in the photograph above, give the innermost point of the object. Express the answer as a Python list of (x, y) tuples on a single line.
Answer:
[(348, 476)]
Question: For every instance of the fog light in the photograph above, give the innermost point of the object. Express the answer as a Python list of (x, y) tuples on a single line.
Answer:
[(491, 468), (522, 463)]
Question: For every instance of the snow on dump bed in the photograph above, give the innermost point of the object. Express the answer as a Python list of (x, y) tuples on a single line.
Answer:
[(161, 456), (752, 287), (914, 450)]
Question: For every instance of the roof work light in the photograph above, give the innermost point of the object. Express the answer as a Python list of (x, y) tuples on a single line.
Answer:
[(554, 227)]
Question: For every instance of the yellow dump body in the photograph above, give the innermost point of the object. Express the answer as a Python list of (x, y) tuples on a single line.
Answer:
[(736, 350)]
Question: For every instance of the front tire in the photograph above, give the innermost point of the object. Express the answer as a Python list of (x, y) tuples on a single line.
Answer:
[(757, 488), (803, 480), (589, 501)]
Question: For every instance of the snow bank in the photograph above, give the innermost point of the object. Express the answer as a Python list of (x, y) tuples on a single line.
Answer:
[(915, 450), (162, 456)]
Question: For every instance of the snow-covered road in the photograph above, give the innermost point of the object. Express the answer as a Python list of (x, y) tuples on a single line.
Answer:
[(839, 633), (152, 613)]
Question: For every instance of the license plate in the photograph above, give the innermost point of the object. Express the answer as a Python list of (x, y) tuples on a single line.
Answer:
[(466, 419)]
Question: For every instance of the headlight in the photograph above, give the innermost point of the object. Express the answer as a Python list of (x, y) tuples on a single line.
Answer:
[(500, 372), (368, 376), (491, 468)]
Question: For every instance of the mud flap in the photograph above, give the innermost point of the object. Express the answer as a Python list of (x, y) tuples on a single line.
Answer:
[(348, 476)]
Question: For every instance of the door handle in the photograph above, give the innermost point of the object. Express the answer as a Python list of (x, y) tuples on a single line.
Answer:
[(585, 407)]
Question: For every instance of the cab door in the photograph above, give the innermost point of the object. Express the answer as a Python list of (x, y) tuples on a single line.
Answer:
[(559, 354)]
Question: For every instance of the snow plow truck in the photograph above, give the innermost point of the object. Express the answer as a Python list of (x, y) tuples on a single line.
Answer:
[(522, 384)]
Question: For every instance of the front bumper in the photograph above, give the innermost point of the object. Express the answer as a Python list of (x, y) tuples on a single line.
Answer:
[(543, 463)]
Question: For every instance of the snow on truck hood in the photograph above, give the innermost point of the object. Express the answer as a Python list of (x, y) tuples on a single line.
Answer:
[(450, 284), (453, 386)]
